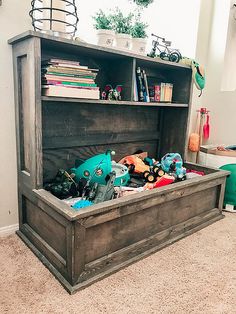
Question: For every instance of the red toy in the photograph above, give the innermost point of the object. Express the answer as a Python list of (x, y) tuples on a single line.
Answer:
[(162, 181)]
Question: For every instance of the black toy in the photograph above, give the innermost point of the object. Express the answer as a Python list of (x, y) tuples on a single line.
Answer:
[(63, 185), (165, 52)]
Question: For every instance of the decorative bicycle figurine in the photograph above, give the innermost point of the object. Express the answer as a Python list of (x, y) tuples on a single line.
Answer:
[(167, 53)]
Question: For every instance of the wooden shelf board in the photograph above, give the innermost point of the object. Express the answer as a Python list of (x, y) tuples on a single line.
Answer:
[(93, 49), (112, 102)]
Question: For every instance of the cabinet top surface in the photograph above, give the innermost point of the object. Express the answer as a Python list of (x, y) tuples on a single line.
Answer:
[(56, 40)]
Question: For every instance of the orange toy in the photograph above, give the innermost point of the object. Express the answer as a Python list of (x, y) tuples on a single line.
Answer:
[(134, 164)]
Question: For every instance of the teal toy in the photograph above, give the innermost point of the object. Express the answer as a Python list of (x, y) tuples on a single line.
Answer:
[(230, 188), (81, 204), (96, 169), (172, 163)]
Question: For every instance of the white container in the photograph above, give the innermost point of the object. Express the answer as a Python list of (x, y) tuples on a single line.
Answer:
[(209, 156), (123, 41), (106, 37), (139, 45)]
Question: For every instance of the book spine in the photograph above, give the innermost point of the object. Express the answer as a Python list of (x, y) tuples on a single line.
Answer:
[(151, 93), (146, 86), (157, 93), (163, 86), (140, 84), (45, 86), (67, 79), (171, 92), (92, 76), (53, 82)]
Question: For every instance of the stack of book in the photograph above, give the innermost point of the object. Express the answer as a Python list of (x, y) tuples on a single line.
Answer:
[(64, 78), (161, 92)]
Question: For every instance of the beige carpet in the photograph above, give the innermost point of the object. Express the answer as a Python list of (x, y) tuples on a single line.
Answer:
[(194, 275)]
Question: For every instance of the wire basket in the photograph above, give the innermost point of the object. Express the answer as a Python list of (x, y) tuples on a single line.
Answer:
[(56, 17)]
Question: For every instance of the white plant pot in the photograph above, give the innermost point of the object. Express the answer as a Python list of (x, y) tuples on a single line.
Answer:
[(123, 41), (139, 45), (106, 37)]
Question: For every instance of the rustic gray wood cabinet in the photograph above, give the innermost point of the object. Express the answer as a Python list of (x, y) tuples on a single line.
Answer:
[(82, 247)]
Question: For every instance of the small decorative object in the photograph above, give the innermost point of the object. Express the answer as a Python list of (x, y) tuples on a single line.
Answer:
[(139, 35), (55, 17), (165, 52), (122, 26), (105, 33), (111, 93)]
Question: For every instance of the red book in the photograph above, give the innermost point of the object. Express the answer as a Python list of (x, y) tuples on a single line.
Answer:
[(157, 93)]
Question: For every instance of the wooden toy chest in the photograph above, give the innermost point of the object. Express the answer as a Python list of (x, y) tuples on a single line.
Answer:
[(82, 247)]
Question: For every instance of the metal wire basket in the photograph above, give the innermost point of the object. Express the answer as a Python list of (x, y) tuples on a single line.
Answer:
[(57, 17)]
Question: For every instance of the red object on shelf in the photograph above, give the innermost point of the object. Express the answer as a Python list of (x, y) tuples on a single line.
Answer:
[(206, 128)]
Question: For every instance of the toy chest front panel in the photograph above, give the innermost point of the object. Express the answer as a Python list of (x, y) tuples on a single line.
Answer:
[(143, 222)]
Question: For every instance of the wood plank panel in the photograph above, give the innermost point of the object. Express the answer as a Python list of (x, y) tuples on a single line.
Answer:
[(125, 256), (54, 159), (173, 132), (106, 238)]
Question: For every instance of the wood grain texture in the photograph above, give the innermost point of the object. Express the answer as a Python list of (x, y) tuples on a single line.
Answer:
[(127, 255)]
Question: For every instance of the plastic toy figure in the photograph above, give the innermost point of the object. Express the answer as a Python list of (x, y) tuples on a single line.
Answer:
[(96, 169), (172, 163), (63, 185), (104, 95), (111, 93), (166, 53)]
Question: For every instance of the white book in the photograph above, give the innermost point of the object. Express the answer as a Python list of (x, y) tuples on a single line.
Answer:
[(62, 91)]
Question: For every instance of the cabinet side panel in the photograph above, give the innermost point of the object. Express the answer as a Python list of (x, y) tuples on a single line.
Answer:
[(46, 227), (24, 114)]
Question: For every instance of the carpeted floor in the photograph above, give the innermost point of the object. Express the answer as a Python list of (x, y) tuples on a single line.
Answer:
[(194, 275)]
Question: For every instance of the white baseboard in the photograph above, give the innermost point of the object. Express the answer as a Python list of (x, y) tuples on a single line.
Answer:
[(8, 230)]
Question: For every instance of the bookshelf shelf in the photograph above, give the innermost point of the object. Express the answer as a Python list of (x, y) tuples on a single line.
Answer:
[(111, 103), (53, 132)]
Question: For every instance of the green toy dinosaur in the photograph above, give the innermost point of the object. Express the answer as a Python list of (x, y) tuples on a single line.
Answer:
[(198, 73)]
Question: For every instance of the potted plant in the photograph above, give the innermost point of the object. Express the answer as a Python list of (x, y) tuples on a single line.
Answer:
[(143, 3), (139, 35), (105, 33), (122, 25)]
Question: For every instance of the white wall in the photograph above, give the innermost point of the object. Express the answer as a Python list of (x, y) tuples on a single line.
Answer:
[(13, 20), (175, 20), (211, 50)]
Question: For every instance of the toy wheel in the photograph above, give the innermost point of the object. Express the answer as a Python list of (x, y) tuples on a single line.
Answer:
[(131, 168), (155, 169), (160, 172), (150, 178), (145, 174), (182, 179), (174, 56), (164, 56)]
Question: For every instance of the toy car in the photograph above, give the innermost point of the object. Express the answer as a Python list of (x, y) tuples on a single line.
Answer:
[(136, 165)]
